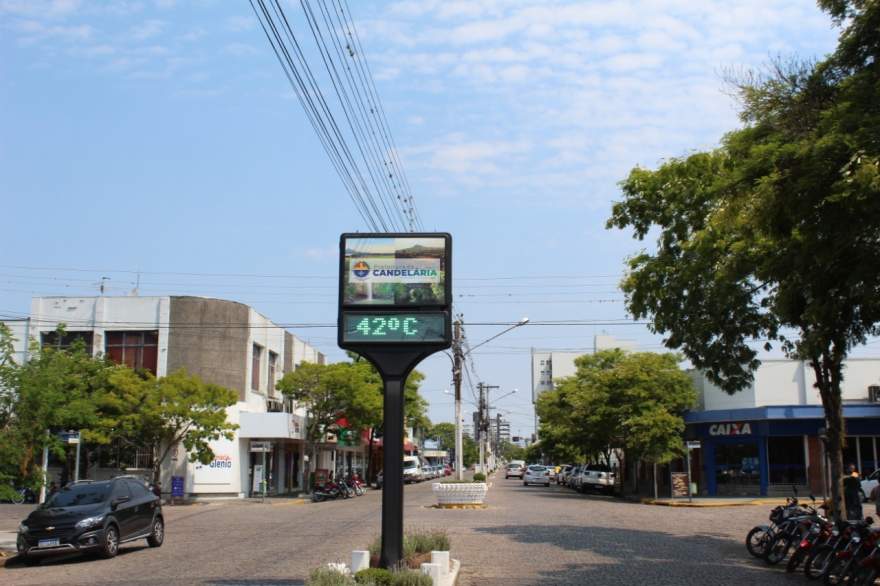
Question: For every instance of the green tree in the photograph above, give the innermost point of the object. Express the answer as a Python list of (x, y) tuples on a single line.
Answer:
[(56, 390), (160, 414), (773, 236), (632, 402)]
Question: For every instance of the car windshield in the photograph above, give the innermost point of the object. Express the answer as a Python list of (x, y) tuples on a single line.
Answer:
[(79, 495), (537, 468), (410, 464), (514, 466)]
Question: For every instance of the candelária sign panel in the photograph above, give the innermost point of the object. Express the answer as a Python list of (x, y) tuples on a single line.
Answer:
[(394, 271)]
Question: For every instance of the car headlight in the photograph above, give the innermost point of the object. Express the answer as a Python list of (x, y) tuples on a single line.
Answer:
[(89, 522), (22, 528)]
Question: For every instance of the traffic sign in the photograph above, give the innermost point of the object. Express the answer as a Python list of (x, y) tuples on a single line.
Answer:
[(693, 445)]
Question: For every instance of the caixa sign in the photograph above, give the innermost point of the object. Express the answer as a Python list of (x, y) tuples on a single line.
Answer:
[(730, 429)]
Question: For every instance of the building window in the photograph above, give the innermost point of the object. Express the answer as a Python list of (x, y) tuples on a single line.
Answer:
[(137, 350), (273, 360), (255, 367), (64, 341), (787, 462)]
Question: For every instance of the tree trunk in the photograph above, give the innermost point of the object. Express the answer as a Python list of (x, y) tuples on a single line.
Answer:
[(828, 377)]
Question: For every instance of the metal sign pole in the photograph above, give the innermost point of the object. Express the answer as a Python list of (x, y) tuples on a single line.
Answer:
[(76, 472), (690, 494), (392, 491)]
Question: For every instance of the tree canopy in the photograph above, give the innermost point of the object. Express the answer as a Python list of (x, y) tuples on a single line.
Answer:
[(617, 401), (773, 236)]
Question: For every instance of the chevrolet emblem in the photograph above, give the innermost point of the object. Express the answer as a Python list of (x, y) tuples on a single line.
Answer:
[(50, 528)]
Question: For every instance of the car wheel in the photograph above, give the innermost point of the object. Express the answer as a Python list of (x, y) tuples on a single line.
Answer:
[(110, 544), (525, 483), (30, 560), (507, 478), (158, 536), (546, 484)]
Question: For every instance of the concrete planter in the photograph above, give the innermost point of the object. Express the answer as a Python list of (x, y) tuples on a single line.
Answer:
[(468, 493)]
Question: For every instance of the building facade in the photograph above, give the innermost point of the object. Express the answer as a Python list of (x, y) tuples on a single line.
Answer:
[(767, 438), (223, 342)]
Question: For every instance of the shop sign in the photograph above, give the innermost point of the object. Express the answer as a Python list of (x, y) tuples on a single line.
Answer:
[(220, 470), (730, 429), (693, 445), (261, 446)]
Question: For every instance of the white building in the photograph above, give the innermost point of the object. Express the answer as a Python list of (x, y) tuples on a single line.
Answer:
[(225, 343), (549, 366)]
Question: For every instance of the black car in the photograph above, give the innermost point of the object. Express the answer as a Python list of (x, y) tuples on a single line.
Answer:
[(94, 517)]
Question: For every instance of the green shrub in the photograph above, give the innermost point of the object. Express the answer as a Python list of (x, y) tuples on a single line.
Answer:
[(328, 577), (416, 542), (375, 576), (479, 477), (436, 540), (411, 578)]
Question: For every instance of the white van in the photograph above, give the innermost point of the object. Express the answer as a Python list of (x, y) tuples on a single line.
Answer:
[(412, 469)]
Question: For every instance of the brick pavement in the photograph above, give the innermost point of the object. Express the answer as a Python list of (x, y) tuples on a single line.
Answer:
[(528, 535)]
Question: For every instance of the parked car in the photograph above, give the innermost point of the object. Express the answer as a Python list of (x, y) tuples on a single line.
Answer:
[(536, 474), (562, 475), (574, 478), (412, 469), (551, 471), (869, 483), (514, 469), (89, 516), (597, 476)]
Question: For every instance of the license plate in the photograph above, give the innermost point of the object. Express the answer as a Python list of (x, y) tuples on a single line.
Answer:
[(47, 543)]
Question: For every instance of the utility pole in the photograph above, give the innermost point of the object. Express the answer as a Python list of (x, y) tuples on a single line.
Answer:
[(457, 358), (484, 422)]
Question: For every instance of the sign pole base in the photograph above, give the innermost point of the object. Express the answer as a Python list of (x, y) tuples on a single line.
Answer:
[(392, 491)]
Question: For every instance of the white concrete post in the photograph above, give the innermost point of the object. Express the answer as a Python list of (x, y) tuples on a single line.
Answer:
[(360, 560), (441, 558), (432, 570)]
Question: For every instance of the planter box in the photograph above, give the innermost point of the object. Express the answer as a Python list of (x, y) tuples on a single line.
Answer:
[(468, 493)]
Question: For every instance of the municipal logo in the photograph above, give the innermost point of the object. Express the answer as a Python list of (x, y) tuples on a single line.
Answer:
[(360, 269)]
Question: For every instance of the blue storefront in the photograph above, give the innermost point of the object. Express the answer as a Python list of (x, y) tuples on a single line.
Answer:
[(765, 450)]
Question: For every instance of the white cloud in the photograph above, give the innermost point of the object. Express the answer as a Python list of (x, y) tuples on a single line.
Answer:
[(240, 23), (146, 30), (240, 49), (40, 9)]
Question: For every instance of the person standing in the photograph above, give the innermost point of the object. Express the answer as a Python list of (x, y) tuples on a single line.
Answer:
[(852, 494)]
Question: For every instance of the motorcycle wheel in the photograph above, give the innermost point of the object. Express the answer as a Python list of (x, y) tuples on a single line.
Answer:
[(818, 562), (837, 572), (317, 498), (865, 577), (757, 540), (795, 560), (18, 497), (777, 549)]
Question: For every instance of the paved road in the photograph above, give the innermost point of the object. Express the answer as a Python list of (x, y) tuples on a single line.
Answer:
[(529, 535)]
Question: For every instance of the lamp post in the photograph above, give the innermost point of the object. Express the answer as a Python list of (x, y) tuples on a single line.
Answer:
[(458, 355)]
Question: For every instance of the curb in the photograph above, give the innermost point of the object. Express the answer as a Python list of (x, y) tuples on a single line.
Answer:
[(703, 505)]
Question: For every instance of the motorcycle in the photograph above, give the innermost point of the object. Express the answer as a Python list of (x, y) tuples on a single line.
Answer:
[(760, 536), (330, 490), (846, 561)]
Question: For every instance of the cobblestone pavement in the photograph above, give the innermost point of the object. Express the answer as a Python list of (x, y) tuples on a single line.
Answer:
[(528, 535)]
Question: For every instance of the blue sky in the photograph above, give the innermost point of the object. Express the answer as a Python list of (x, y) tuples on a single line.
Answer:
[(162, 137)]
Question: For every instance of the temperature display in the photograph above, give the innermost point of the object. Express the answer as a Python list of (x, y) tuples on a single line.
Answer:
[(394, 327)]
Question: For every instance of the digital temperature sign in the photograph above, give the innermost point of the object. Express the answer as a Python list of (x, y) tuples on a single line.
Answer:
[(395, 327)]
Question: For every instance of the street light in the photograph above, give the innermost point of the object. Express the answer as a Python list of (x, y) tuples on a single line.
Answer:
[(457, 358)]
